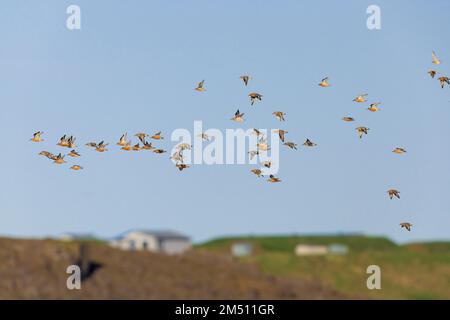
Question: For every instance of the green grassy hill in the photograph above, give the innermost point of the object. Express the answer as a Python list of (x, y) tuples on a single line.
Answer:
[(412, 271)]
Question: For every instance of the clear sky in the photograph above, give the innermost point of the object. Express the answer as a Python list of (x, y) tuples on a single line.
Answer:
[(133, 66)]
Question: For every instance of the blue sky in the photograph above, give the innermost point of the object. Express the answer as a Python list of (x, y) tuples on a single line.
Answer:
[(133, 66)]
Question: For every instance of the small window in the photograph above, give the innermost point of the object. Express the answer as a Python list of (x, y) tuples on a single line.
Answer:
[(144, 245), (132, 245)]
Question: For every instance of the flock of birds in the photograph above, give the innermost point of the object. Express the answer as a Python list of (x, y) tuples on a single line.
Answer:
[(261, 145)]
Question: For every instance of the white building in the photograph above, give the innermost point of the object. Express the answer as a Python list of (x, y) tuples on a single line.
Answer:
[(169, 242), (241, 249), (310, 250), (314, 249)]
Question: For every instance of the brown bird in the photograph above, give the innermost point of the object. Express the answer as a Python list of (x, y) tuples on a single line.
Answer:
[(159, 151), (362, 130), (281, 133), (267, 164), (309, 143), (99, 147), (393, 193), (47, 154), (435, 59), (432, 73), (123, 140), (406, 225), (238, 117), (291, 145), (37, 136), (254, 97), (245, 79), (374, 107), (272, 178), (63, 141), (59, 159), (443, 81), (147, 146), (257, 132), (361, 98), (141, 136), (258, 172), (76, 167), (348, 119), (203, 136), (279, 115), (136, 147), (74, 154), (324, 82), (157, 136), (127, 146), (200, 86), (181, 166), (399, 151)]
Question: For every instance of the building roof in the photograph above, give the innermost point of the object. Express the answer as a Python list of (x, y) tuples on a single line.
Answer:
[(160, 234)]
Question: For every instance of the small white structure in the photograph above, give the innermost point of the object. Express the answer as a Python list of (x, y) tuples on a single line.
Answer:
[(169, 242), (314, 249), (73, 236), (241, 249), (310, 250), (338, 249)]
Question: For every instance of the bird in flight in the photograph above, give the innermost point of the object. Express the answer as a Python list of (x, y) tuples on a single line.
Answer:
[(200, 86), (257, 172), (309, 143), (362, 130), (291, 145), (393, 193), (348, 119), (253, 153), (73, 154), (63, 141), (374, 107), (203, 136), (257, 132), (272, 178), (324, 82), (399, 151), (281, 133), (100, 147), (127, 146), (37, 136), (406, 225), (123, 140), (238, 117), (434, 58), (432, 73), (254, 97), (159, 151), (262, 145), (157, 136), (182, 166), (361, 98), (76, 167), (147, 146), (47, 154), (141, 136), (279, 115), (267, 164), (246, 79), (443, 81), (71, 142), (59, 159), (136, 147)]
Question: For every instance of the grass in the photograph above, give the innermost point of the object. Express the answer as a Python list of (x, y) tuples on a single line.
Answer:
[(413, 271)]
